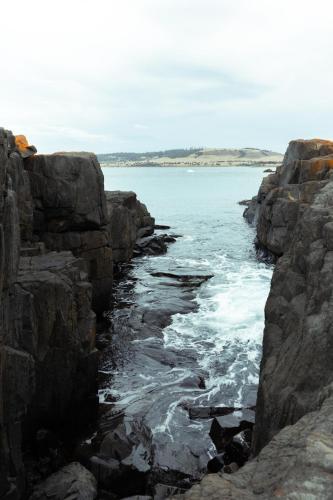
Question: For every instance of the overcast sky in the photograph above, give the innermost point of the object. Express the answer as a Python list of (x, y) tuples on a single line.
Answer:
[(140, 75)]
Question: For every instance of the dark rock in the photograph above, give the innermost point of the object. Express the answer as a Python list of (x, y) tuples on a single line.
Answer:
[(251, 211), (246, 203), (294, 212), (210, 411), (293, 438), (72, 481), (129, 220), (47, 328), (216, 464), (60, 340), (116, 444), (230, 468), (269, 170), (184, 279), (154, 245), (223, 430), (70, 213), (235, 453), (160, 226), (294, 464)]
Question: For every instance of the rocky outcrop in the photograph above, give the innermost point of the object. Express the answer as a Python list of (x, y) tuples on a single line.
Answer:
[(56, 272), (129, 221), (70, 213), (294, 219), (296, 464), (48, 360), (293, 433), (284, 195)]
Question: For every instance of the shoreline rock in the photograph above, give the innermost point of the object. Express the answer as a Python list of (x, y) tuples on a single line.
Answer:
[(56, 274), (293, 432)]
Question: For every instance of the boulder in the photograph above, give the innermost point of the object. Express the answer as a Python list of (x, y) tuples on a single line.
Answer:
[(23, 147), (72, 481)]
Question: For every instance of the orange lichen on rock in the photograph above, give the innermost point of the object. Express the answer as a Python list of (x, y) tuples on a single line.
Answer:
[(326, 142), (323, 165), (23, 146)]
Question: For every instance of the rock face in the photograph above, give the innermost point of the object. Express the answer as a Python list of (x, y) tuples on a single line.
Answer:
[(129, 221), (48, 360), (284, 195), (56, 272), (293, 433), (70, 214), (295, 223)]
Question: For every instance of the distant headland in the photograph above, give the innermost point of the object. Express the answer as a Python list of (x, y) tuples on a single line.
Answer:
[(198, 157)]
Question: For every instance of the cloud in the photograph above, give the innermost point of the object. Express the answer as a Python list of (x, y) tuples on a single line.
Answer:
[(140, 75)]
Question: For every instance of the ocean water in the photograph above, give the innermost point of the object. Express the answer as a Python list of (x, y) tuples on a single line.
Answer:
[(219, 341)]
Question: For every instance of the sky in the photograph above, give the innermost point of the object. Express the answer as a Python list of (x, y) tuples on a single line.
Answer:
[(147, 75)]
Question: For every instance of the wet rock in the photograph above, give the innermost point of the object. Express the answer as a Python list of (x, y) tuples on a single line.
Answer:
[(269, 170), (235, 452), (143, 232), (183, 279), (245, 203), (120, 480), (250, 212), (154, 245), (72, 481), (116, 444), (294, 464), (222, 432), (210, 411), (160, 226), (216, 464)]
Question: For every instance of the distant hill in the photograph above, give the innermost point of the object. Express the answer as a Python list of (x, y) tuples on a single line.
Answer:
[(193, 157)]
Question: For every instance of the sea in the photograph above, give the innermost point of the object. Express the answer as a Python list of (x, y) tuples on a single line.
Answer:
[(215, 349)]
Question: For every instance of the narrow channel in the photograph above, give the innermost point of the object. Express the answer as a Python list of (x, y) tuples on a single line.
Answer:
[(175, 348)]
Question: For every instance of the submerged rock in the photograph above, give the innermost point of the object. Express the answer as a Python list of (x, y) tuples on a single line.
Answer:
[(183, 280)]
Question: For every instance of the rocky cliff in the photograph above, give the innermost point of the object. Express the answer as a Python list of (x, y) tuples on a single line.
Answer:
[(56, 270), (293, 433), (129, 221), (47, 332), (295, 224)]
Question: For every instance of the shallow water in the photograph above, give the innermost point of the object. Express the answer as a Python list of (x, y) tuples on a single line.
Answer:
[(154, 379)]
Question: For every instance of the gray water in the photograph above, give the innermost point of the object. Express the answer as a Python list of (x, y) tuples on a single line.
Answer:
[(222, 338)]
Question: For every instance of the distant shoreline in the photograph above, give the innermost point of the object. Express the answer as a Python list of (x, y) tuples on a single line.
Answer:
[(189, 165)]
